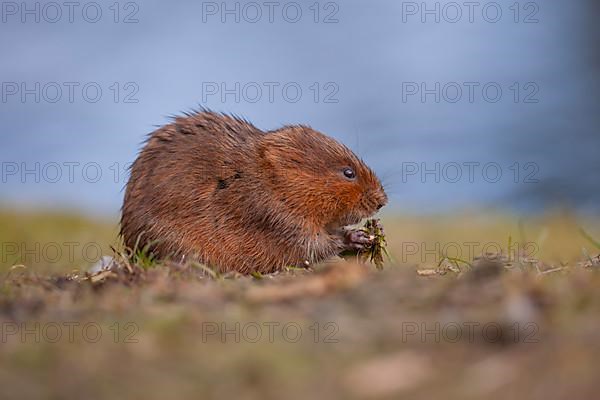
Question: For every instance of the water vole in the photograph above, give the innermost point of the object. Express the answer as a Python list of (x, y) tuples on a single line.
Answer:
[(215, 188)]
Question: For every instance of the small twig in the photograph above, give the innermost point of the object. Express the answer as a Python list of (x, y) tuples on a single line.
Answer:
[(552, 270)]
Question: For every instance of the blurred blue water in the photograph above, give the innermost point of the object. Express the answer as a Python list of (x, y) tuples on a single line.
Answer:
[(365, 62)]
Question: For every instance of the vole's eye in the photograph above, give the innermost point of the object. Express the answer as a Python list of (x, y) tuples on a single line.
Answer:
[(349, 173)]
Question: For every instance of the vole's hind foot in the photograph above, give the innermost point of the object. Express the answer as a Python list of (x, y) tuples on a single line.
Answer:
[(357, 240)]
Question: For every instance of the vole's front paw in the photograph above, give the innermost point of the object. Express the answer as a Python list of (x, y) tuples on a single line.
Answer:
[(357, 240)]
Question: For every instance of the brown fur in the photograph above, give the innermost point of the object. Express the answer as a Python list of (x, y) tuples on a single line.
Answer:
[(216, 189)]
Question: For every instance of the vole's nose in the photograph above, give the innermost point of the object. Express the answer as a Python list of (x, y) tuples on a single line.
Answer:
[(380, 199)]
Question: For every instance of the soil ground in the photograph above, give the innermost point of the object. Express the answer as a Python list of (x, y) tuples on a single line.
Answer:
[(440, 320)]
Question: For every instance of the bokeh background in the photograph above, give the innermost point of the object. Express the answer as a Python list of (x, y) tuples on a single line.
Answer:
[(166, 58), (359, 64)]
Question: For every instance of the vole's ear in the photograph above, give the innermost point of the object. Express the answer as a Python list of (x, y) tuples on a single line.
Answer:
[(276, 146), (268, 151), (270, 156), (279, 156)]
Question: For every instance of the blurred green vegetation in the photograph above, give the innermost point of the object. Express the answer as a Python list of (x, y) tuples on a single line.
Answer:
[(61, 242), (53, 241), (554, 237)]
